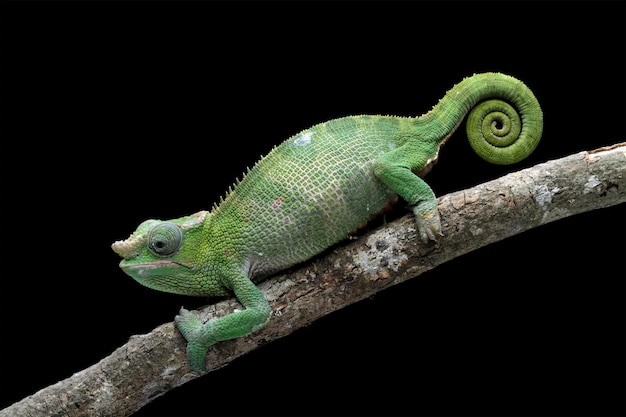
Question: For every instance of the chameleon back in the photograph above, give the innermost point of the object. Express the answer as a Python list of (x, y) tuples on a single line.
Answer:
[(306, 195)]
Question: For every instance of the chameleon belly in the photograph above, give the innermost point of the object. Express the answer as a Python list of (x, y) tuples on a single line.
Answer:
[(306, 195)]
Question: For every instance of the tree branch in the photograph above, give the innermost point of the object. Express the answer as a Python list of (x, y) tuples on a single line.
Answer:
[(150, 365)]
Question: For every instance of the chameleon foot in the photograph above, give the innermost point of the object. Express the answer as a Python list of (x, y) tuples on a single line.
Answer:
[(428, 222), (196, 334)]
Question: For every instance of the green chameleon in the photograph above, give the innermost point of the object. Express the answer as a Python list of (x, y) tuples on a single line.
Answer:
[(311, 191)]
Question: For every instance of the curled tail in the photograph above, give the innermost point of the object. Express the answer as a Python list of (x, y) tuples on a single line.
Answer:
[(504, 123)]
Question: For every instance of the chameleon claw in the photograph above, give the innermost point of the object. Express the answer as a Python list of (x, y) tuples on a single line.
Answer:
[(196, 354), (428, 224), (187, 323), (199, 338), (429, 235)]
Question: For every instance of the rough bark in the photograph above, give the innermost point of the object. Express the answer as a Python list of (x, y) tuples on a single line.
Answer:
[(150, 365)]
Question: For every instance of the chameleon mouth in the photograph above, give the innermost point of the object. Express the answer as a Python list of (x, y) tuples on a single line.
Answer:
[(147, 266)]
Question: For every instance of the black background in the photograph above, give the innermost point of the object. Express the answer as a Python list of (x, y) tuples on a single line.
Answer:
[(118, 112)]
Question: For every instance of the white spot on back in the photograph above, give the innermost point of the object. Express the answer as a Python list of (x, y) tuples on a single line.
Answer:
[(303, 140)]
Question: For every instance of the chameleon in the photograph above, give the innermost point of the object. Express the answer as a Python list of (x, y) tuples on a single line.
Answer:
[(314, 190)]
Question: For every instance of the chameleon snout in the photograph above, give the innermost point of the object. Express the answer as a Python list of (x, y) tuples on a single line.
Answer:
[(123, 248)]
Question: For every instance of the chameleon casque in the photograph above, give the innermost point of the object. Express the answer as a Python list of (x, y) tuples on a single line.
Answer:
[(311, 191)]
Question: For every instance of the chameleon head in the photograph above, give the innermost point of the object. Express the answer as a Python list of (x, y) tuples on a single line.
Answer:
[(163, 255)]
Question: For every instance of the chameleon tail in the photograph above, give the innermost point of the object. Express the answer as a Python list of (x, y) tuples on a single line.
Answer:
[(505, 120)]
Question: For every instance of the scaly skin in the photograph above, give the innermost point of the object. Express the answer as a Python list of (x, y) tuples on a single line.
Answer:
[(312, 191)]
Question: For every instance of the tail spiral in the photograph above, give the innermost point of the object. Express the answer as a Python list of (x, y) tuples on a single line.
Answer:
[(504, 119)]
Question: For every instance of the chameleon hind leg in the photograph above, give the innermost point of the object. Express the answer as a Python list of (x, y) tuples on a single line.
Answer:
[(397, 172)]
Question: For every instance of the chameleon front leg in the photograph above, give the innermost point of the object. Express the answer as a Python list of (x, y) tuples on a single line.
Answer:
[(397, 174), (200, 336)]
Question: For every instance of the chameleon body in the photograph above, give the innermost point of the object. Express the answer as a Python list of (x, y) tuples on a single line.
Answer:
[(311, 191)]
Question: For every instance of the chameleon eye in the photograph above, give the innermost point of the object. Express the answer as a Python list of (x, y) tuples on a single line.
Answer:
[(164, 239)]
